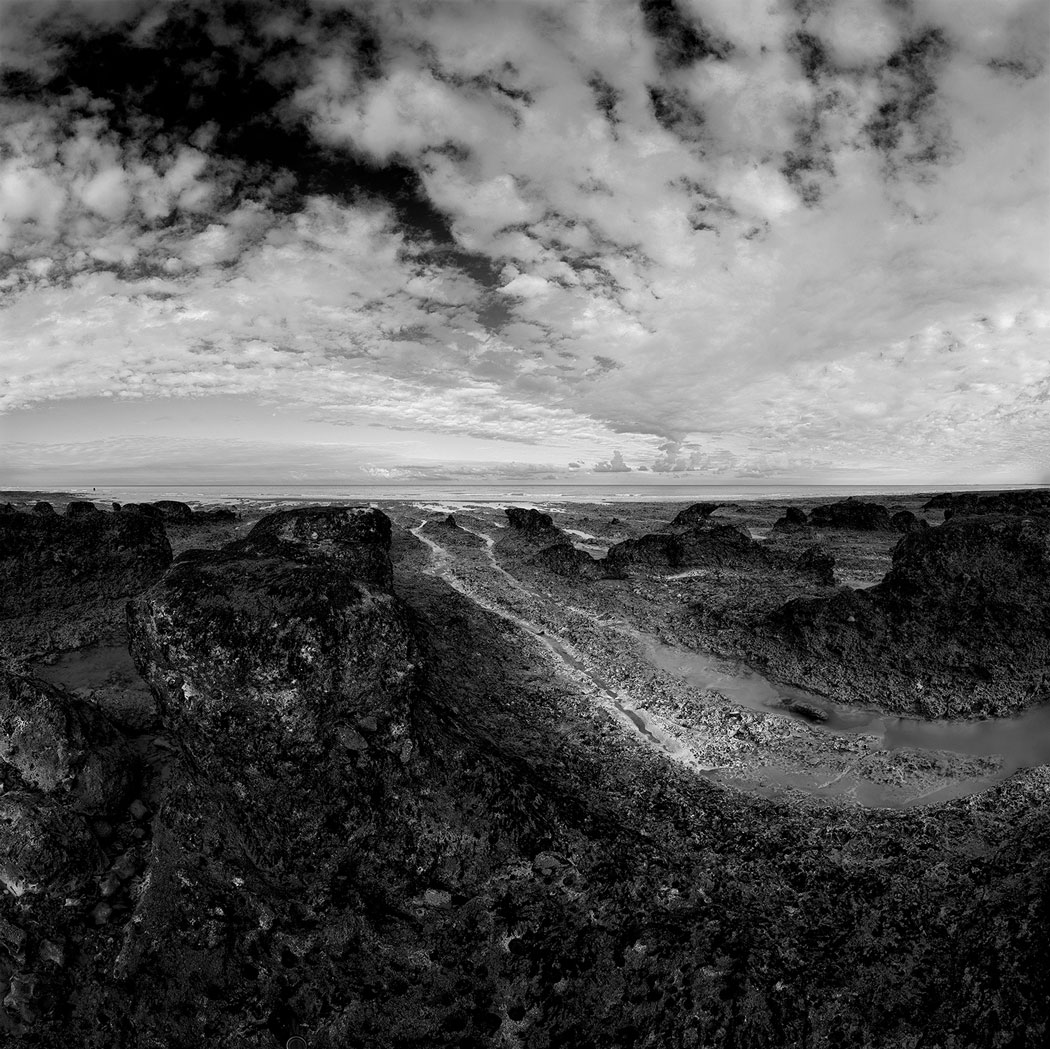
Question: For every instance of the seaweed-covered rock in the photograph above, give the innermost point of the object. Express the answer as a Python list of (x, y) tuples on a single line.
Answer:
[(564, 559), (278, 642), (173, 510), (713, 546), (793, 519), (60, 745), (44, 845), (818, 563), (694, 515), (957, 627), (1019, 501), (856, 514), (81, 508), (357, 539), (48, 561), (44, 508), (906, 521), (532, 523)]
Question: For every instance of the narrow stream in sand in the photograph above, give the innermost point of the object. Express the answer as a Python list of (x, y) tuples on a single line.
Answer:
[(1019, 741)]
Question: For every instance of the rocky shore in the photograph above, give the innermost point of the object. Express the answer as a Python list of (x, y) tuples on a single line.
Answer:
[(382, 778)]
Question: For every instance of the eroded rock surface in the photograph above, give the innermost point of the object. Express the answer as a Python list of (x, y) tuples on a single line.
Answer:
[(857, 514), (710, 546), (48, 561), (958, 627)]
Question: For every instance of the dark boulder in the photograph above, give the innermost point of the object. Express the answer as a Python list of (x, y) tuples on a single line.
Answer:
[(48, 561), (143, 510), (43, 508), (713, 546), (957, 627), (532, 523), (694, 515), (60, 745), (81, 508), (817, 563), (174, 511), (793, 518), (1030, 501), (356, 539), (856, 514), (565, 560), (270, 649), (906, 521)]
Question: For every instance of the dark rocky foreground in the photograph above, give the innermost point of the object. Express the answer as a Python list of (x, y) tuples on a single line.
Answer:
[(959, 626), (371, 814)]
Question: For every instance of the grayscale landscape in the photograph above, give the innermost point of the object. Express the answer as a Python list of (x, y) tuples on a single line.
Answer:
[(524, 524)]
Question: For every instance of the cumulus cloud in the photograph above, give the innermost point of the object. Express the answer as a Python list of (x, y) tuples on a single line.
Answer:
[(727, 235), (615, 465)]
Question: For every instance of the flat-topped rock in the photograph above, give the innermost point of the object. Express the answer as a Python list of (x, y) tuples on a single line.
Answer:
[(857, 514), (52, 561), (357, 538), (268, 645), (712, 546)]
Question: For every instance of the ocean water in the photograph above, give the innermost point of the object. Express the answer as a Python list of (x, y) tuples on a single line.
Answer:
[(465, 494)]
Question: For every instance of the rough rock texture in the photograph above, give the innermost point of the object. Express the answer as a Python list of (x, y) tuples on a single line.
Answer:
[(857, 514), (1020, 501), (43, 508), (532, 523), (59, 745), (816, 562), (354, 538), (47, 561), (793, 518), (906, 521), (564, 559), (183, 514), (277, 644), (694, 515), (174, 510), (446, 531), (81, 508), (713, 546), (958, 627)]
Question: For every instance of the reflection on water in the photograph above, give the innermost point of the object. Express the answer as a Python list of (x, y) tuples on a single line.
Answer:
[(1021, 741)]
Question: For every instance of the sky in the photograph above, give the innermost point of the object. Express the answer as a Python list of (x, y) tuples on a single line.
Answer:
[(637, 241)]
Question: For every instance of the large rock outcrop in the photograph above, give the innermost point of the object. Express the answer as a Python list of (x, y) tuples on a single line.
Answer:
[(1019, 501), (960, 625), (694, 515), (281, 642), (711, 546), (856, 514), (48, 561)]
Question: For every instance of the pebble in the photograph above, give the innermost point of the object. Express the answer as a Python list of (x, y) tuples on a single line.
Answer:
[(101, 913), (138, 810)]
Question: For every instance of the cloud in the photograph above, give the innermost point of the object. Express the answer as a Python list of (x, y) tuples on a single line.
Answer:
[(615, 465), (726, 236)]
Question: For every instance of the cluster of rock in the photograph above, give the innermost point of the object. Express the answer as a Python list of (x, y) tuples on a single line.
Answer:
[(531, 535), (1021, 501), (958, 627), (372, 828), (857, 515), (692, 540), (52, 561)]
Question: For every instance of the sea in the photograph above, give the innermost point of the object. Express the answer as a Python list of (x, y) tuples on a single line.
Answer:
[(464, 494)]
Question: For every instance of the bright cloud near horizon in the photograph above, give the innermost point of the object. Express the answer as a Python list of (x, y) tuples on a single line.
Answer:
[(484, 239)]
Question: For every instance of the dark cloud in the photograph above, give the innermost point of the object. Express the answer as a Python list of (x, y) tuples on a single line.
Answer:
[(226, 73)]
